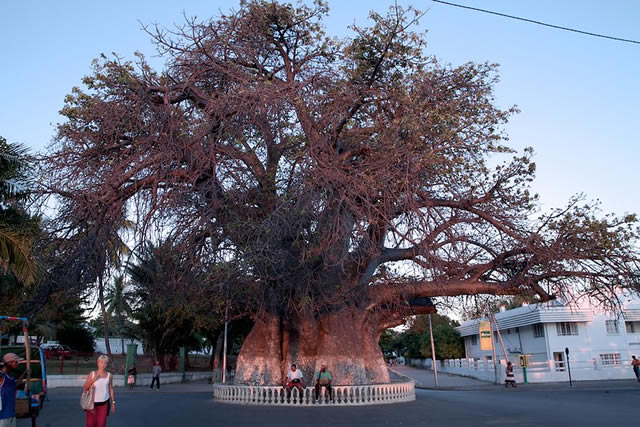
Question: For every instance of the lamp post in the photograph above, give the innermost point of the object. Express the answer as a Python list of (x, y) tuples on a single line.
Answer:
[(566, 350)]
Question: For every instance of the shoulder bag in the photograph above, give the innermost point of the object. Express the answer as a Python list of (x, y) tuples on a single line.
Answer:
[(86, 400)]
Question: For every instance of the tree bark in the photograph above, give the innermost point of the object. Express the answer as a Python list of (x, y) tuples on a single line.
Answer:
[(346, 341), (217, 355)]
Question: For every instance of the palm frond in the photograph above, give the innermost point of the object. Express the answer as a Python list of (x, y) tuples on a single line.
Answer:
[(15, 256)]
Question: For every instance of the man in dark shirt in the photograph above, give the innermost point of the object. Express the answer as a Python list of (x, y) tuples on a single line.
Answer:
[(8, 389)]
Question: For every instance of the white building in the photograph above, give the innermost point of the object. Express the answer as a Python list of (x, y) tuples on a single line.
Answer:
[(600, 344)]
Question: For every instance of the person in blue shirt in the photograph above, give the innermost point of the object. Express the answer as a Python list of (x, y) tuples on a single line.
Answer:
[(8, 389)]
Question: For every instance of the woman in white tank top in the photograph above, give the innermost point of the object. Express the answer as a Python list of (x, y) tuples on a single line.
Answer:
[(101, 382)]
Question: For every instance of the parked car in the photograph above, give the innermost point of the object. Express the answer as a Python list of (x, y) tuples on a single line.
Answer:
[(57, 351)]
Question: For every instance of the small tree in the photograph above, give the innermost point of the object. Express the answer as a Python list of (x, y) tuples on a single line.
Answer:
[(118, 302)]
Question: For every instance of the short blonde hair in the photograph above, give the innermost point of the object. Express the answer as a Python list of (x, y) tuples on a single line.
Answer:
[(103, 357)]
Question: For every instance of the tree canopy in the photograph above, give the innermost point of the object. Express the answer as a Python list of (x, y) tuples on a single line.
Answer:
[(326, 174)]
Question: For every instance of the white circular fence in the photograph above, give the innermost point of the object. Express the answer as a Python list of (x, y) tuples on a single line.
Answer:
[(374, 394)]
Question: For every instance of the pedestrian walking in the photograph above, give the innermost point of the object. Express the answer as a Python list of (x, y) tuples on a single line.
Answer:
[(8, 384), (510, 379), (636, 367), (104, 401), (155, 375), (131, 375)]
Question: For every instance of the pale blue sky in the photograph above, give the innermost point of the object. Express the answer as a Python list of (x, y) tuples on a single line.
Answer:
[(579, 96)]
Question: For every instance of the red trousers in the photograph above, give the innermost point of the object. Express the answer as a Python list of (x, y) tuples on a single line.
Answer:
[(97, 417)]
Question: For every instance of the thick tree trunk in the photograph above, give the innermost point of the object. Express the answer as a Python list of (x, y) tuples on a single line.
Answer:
[(346, 341), (217, 357)]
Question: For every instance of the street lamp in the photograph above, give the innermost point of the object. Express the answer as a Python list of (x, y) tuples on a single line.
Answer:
[(566, 350)]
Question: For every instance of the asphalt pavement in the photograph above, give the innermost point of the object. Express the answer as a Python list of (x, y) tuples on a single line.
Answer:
[(192, 405), (425, 379)]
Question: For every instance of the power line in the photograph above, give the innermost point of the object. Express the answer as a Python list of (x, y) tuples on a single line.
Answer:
[(538, 22)]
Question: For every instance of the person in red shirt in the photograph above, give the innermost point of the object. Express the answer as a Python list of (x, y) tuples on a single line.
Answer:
[(636, 367)]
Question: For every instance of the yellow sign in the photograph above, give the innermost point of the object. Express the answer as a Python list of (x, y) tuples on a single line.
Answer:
[(524, 360), (486, 342)]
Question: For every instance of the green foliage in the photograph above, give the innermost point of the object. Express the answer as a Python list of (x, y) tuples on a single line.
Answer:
[(448, 343), (163, 313), (17, 227), (78, 337), (415, 342)]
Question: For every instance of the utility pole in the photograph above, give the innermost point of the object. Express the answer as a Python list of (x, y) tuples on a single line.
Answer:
[(504, 351), (433, 353), (493, 350)]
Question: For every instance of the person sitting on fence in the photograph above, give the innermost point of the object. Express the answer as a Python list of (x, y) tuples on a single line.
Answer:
[(323, 379), (294, 379), (510, 379)]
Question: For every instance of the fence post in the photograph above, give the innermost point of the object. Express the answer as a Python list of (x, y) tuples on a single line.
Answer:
[(183, 352)]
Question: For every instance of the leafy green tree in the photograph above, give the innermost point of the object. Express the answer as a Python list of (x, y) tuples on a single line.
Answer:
[(164, 308), (119, 300), (416, 343), (390, 342), (78, 337)]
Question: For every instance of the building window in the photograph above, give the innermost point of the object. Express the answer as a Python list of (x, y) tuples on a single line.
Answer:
[(611, 359), (632, 327), (567, 328), (612, 327), (558, 360), (538, 330), (474, 340)]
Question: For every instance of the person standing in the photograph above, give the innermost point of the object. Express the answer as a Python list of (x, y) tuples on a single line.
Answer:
[(510, 379), (635, 363), (155, 375), (8, 384), (131, 375), (104, 400)]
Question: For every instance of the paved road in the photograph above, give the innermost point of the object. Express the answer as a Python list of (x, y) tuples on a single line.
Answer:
[(425, 379), (192, 405)]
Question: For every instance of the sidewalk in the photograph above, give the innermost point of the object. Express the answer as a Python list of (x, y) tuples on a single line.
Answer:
[(425, 380)]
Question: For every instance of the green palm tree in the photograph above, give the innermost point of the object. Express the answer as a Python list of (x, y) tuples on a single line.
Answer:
[(118, 301), (15, 243)]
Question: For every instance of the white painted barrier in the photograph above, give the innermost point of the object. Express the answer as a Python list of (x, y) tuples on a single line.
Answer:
[(537, 372), (374, 394), (54, 381)]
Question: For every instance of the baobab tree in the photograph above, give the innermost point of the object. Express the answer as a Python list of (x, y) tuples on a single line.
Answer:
[(347, 181)]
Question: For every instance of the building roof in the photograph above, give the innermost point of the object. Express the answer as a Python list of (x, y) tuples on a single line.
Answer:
[(632, 315), (530, 315)]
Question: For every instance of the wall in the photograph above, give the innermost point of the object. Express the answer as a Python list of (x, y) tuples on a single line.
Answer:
[(538, 372), (54, 381)]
